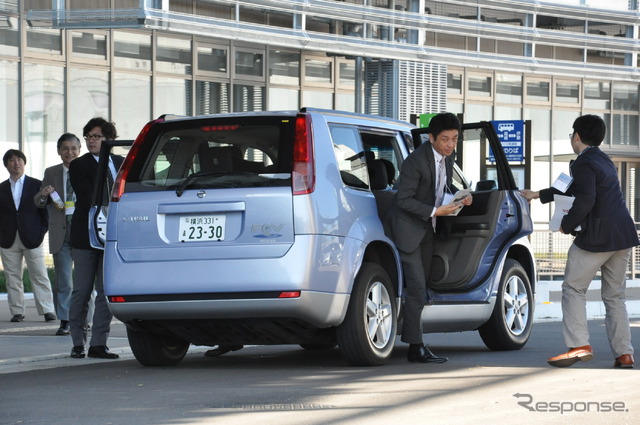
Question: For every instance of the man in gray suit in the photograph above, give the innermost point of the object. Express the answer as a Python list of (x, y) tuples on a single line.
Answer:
[(411, 223), (56, 178)]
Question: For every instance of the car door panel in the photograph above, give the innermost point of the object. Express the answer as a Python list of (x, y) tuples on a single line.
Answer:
[(469, 244)]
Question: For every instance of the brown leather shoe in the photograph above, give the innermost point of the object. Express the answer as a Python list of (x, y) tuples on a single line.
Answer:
[(578, 354), (625, 361)]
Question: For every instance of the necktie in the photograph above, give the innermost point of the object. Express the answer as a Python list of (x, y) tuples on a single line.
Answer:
[(107, 195), (69, 190), (442, 179), (69, 197)]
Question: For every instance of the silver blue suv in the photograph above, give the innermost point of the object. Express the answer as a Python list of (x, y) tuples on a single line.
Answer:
[(265, 228)]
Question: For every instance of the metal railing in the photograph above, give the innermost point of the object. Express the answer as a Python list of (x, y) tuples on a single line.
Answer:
[(550, 251)]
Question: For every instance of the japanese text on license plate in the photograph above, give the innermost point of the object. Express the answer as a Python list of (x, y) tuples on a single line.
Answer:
[(195, 228)]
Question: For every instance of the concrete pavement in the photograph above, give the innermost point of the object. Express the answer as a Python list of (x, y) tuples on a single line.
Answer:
[(21, 350)]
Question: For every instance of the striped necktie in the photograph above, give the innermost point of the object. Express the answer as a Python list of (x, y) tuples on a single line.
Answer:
[(440, 183)]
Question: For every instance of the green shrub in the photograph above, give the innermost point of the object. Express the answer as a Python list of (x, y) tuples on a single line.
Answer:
[(25, 280)]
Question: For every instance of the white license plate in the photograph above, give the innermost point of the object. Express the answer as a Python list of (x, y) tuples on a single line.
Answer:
[(197, 228)]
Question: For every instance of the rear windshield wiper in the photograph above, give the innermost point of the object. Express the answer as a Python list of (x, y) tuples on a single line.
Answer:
[(185, 183)]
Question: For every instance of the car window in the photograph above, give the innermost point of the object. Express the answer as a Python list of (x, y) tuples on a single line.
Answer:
[(458, 180), (478, 162), (383, 148), (350, 156), (220, 155)]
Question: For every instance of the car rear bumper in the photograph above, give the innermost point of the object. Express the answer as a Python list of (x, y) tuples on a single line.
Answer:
[(315, 308)]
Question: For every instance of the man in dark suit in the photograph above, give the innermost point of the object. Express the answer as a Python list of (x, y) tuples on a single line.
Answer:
[(56, 178), (411, 223), (604, 241), (22, 230), (87, 260)]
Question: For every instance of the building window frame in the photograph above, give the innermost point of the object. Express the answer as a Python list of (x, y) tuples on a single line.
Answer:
[(306, 82), (559, 100), (214, 46), (476, 94), (73, 58), (528, 101), (235, 75)]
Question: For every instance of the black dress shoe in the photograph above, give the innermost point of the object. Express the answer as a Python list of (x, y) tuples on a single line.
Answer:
[(77, 352), (418, 353), (101, 352), (50, 317), (222, 349), (64, 328), (17, 318)]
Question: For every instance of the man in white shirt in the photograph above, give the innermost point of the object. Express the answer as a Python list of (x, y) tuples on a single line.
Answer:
[(56, 179), (22, 230)]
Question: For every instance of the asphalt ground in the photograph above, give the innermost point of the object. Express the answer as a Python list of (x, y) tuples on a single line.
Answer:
[(31, 349), (286, 385)]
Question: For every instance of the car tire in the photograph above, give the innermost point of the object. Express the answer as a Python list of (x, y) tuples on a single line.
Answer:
[(367, 335), (509, 326), (156, 350)]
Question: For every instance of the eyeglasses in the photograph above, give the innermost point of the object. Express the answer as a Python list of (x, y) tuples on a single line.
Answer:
[(571, 135), (93, 136)]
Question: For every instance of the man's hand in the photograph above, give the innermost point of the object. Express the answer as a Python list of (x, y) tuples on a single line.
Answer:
[(468, 200), (529, 194), (448, 209), (46, 191)]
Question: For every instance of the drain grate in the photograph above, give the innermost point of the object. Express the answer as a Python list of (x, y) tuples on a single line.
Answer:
[(275, 406)]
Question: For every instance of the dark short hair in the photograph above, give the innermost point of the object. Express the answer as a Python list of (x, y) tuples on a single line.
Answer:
[(591, 129), (442, 122), (108, 128), (68, 137), (13, 152)]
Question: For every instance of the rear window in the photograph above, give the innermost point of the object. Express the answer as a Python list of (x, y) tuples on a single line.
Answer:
[(215, 153)]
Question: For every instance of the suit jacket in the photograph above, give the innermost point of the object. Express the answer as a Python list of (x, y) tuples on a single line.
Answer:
[(29, 222), (54, 176), (599, 206), (82, 172), (410, 214)]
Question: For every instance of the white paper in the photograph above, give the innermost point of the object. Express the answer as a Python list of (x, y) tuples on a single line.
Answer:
[(562, 206), (458, 197), (562, 182)]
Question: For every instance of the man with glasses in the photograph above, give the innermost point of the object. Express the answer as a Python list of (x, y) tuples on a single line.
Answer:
[(56, 178), (604, 236), (87, 260)]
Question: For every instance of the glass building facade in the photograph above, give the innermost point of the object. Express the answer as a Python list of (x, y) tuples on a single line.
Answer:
[(62, 63)]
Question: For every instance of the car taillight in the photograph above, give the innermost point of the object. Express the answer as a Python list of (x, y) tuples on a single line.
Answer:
[(118, 186), (289, 294), (224, 127), (303, 173)]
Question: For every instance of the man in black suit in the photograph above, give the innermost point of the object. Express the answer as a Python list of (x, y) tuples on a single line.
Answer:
[(87, 260), (411, 223), (22, 230), (604, 241)]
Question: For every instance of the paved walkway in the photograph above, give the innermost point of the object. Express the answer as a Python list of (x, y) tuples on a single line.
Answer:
[(30, 347)]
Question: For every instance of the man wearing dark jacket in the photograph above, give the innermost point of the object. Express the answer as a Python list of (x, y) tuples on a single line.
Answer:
[(22, 230), (605, 235), (411, 224), (87, 260)]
